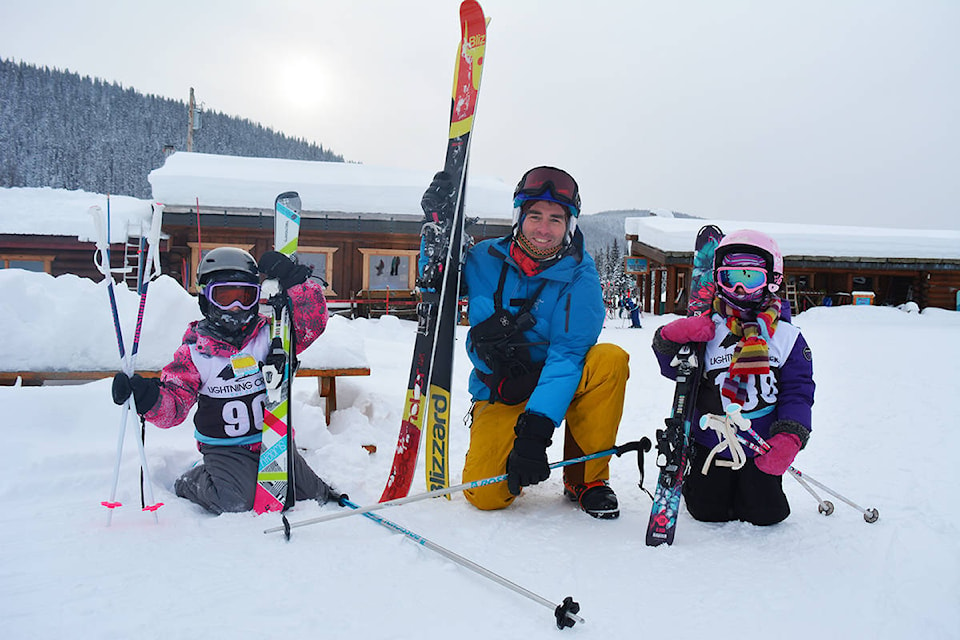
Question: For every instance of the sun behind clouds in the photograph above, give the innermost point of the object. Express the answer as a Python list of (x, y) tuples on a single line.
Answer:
[(302, 81)]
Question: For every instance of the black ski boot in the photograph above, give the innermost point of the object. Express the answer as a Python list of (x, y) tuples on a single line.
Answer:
[(596, 498)]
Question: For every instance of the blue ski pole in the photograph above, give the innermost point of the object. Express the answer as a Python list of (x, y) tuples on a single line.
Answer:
[(639, 446)]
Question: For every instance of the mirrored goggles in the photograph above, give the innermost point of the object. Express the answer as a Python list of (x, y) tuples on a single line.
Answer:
[(749, 279), (543, 180), (230, 295)]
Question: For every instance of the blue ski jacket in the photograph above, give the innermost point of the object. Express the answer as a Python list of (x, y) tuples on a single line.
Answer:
[(569, 315)]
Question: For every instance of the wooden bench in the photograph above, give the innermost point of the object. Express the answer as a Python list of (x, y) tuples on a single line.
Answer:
[(327, 383), (326, 379)]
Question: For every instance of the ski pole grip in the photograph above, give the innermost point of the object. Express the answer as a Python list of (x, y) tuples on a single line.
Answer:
[(643, 444), (102, 244), (154, 240)]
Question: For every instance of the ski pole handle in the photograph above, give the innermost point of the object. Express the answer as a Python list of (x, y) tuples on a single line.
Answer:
[(101, 257), (153, 268)]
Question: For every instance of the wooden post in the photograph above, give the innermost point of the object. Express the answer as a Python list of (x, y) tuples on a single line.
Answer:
[(647, 287), (657, 291), (192, 106), (670, 305)]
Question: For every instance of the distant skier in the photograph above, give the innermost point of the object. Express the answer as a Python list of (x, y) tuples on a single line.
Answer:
[(633, 309), (536, 311), (218, 368), (755, 359)]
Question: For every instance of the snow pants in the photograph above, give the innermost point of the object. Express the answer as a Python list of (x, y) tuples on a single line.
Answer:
[(592, 420), (722, 495), (226, 480)]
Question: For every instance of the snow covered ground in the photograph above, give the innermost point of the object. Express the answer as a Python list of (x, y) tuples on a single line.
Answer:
[(884, 435)]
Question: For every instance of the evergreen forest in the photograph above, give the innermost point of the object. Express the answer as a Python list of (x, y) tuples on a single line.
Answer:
[(61, 130)]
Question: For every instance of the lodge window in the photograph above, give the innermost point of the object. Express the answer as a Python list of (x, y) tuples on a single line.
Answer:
[(393, 269), (40, 264), (321, 259)]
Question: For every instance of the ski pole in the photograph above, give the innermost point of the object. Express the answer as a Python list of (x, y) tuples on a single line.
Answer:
[(639, 446), (148, 268), (869, 515), (826, 507), (565, 612), (102, 261)]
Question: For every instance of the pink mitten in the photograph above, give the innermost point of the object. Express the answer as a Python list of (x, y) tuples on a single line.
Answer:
[(783, 449), (693, 329)]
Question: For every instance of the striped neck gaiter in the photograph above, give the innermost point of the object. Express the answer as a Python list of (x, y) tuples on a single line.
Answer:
[(751, 355)]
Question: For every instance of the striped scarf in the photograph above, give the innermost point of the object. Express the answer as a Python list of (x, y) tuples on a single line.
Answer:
[(751, 355)]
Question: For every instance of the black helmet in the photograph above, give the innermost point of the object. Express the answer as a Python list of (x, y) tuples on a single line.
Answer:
[(227, 264), (227, 259)]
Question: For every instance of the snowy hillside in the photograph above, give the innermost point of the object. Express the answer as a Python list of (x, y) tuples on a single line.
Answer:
[(884, 435)]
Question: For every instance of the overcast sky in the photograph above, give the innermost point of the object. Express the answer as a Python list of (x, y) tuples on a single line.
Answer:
[(825, 111)]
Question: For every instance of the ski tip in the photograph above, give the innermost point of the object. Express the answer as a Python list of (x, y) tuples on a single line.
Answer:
[(472, 9), (289, 200)]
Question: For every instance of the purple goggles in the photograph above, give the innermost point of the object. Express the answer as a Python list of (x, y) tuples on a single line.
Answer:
[(232, 295)]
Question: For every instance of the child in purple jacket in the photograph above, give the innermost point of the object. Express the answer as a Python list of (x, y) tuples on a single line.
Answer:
[(756, 360)]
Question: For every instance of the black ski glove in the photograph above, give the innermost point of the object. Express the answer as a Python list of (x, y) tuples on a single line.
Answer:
[(527, 463), (275, 265), (440, 197), (145, 391)]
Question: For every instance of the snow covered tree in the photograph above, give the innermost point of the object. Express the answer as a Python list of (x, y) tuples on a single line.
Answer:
[(58, 129)]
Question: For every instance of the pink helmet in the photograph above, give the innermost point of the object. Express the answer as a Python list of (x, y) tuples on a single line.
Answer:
[(756, 243)]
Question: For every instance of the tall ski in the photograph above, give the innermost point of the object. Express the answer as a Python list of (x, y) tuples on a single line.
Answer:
[(673, 441), (439, 283), (275, 473)]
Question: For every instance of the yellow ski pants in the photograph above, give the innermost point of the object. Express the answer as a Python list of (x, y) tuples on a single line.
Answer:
[(592, 420)]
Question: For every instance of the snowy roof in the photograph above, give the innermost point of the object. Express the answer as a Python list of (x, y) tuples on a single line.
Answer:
[(78, 333), (678, 235), (324, 187), (58, 212)]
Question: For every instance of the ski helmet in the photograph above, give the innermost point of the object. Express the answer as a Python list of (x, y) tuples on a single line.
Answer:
[(550, 184), (735, 250), (227, 264)]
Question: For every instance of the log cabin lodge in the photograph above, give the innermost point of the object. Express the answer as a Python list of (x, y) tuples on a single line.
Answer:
[(361, 233)]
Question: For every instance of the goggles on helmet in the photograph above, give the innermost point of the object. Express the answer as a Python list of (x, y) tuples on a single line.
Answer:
[(230, 295), (749, 279), (548, 183)]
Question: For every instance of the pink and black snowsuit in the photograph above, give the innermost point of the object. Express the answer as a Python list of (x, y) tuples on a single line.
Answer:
[(226, 384)]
